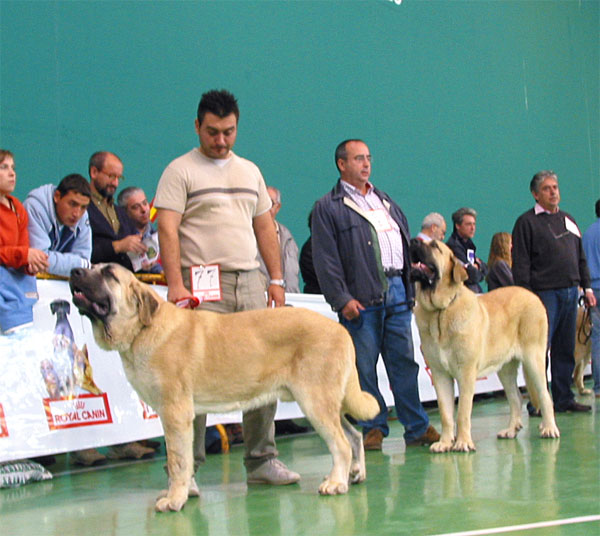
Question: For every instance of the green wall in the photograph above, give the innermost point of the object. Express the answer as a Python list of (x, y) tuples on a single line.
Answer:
[(459, 101)]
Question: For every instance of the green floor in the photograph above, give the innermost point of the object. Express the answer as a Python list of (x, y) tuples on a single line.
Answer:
[(504, 484)]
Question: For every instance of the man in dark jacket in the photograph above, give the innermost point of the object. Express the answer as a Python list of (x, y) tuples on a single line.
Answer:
[(461, 243), (360, 252), (113, 233), (548, 258)]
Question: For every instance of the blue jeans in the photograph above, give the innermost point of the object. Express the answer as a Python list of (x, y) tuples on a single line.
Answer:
[(561, 306), (386, 329), (596, 343)]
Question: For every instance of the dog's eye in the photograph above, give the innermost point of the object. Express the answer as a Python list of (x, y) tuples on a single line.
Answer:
[(107, 272)]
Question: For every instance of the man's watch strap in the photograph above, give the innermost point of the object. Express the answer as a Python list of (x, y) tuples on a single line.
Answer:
[(278, 282)]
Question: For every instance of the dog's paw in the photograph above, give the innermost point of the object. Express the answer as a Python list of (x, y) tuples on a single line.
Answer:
[(463, 446), (549, 432), (328, 487), (167, 504), (193, 490), (508, 433), (440, 446), (358, 474)]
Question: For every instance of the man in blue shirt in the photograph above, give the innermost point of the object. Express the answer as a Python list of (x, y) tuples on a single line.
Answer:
[(591, 246)]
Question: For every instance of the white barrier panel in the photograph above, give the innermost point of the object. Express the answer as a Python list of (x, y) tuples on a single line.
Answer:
[(60, 392)]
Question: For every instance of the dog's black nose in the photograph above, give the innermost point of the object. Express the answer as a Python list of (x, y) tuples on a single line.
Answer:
[(77, 272)]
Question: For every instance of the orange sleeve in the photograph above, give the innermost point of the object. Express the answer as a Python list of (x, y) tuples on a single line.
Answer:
[(14, 238)]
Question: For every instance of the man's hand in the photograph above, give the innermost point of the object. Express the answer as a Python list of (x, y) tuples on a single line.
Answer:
[(352, 310), (275, 296), (589, 298), (37, 261), (130, 244), (177, 292)]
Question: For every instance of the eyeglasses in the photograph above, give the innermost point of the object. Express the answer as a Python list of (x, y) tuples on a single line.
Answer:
[(4, 167), (113, 176)]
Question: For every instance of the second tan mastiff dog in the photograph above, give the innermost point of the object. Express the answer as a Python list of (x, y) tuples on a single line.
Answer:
[(466, 336), (583, 349), (183, 362)]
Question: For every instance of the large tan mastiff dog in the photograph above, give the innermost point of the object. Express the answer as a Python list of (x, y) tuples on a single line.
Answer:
[(465, 336), (183, 362)]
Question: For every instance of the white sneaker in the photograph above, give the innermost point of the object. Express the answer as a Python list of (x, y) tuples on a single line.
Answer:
[(272, 472)]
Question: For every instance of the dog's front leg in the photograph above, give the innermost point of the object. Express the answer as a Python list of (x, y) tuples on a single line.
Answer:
[(444, 387), (179, 435), (466, 388)]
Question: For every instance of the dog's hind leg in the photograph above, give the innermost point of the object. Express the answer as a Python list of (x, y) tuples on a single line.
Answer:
[(177, 424), (358, 469), (324, 414), (508, 378), (534, 370)]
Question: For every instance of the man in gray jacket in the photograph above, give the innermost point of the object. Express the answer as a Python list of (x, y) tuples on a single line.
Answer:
[(59, 224)]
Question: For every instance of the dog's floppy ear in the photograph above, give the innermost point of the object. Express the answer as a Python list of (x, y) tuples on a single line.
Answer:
[(459, 272), (147, 303)]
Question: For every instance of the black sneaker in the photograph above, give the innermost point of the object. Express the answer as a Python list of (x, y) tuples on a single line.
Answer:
[(533, 412), (572, 407)]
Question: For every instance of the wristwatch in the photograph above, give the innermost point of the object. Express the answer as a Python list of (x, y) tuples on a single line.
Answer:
[(278, 282)]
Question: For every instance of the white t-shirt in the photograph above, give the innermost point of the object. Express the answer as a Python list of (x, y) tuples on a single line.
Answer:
[(217, 203)]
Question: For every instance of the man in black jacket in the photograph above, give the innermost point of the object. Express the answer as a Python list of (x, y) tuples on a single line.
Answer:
[(548, 258), (360, 243), (461, 243), (113, 233)]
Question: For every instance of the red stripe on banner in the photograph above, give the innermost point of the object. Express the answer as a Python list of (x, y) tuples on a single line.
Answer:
[(3, 426)]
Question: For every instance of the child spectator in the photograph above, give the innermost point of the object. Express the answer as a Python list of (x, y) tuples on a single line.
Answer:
[(18, 262)]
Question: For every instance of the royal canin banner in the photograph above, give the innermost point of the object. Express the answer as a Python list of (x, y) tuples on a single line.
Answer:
[(60, 392)]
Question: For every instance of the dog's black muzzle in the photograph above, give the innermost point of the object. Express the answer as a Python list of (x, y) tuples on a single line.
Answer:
[(88, 295), (423, 268)]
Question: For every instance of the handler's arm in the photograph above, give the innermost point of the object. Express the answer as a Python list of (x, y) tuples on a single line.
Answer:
[(268, 245), (170, 253)]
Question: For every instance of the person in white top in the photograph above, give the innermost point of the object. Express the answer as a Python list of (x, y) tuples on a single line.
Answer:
[(432, 228), (213, 215)]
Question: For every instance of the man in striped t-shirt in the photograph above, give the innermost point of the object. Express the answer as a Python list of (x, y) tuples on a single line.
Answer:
[(213, 210)]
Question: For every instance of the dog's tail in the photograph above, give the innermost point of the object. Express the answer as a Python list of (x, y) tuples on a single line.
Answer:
[(361, 405)]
